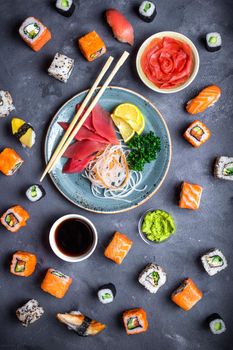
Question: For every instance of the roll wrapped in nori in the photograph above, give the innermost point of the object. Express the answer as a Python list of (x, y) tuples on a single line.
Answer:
[(107, 293), (147, 11), (35, 192), (65, 7), (216, 324), (213, 41)]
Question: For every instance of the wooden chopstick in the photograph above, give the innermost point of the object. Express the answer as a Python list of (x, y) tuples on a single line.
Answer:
[(91, 106), (76, 117)]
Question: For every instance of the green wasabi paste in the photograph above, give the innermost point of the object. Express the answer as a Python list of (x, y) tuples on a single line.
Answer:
[(158, 225)]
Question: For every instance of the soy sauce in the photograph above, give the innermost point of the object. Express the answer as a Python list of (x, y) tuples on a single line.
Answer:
[(74, 237)]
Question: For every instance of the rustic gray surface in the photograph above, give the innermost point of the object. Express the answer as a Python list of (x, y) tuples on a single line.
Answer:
[(37, 97)]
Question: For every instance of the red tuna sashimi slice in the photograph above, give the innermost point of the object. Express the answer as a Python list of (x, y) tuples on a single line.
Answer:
[(82, 149), (121, 27), (103, 124), (76, 166), (88, 122), (85, 134)]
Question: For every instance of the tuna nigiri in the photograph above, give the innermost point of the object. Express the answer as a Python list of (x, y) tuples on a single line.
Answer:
[(121, 27), (206, 98)]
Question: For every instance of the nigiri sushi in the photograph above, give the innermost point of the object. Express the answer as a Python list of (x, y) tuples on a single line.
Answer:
[(190, 196), (118, 248), (80, 323), (206, 98), (121, 27), (23, 131)]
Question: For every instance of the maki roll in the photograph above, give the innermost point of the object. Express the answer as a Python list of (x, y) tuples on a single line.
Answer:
[(107, 293), (10, 161), (15, 218), (147, 11), (29, 313), (23, 264), (6, 104), (24, 132), (186, 295), (35, 192), (135, 321), (92, 46), (213, 41), (197, 133), (34, 33), (56, 283), (216, 324), (61, 67), (65, 7), (152, 277), (214, 261), (223, 168), (81, 324)]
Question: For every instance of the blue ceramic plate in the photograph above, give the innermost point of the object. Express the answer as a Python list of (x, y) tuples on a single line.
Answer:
[(76, 188)]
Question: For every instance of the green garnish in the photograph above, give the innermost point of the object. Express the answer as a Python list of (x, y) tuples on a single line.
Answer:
[(217, 326), (228, 171), (65, 3), (106, 296), (213, 40), (33, 191), (147, 7), (144, 149), (155, 276)]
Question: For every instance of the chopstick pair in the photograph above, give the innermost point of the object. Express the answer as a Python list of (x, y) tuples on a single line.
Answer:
[(72, 129)]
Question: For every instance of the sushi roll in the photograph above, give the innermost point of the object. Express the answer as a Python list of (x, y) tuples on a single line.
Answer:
[(10, 161), (187, 295), (152, 277), (118, 248), (214, 261), (107, 293), (61, 67), (65, 7), (6, 104), (205, 99), (216, 324), (135, 321), (92, 46), (56, 283), (34, 33), (147, 11), (213, 41), (14, 218), (29, 313), (223, 168), (24, 132), (23, 264), (81, 324), (197, 133), (190, 196), (35, 192)]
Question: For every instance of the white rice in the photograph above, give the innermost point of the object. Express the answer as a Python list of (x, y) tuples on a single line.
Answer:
[(212, 270), (147, 281), (61, 67)]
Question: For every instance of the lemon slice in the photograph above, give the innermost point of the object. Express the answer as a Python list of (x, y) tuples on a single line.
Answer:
[(139, 126), (125, 129), (127, 111)]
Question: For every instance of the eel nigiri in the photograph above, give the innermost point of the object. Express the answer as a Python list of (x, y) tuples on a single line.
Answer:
[(206, 98), (121, 27), (80, 323)]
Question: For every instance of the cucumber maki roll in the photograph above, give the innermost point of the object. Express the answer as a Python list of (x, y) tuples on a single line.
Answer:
[(216, 324), (65, 7), (213, 41), (147, 11), (35, 192), (107, 293)]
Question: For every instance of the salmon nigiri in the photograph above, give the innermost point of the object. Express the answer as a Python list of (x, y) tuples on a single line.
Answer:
[(121, 27), (206, 98)]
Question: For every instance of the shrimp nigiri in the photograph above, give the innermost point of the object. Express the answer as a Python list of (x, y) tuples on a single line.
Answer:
[(121, 27)]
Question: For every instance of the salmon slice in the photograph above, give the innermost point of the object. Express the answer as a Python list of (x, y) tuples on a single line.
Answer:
[(206, 98), (187, 295), (118, 248), (190, 196)]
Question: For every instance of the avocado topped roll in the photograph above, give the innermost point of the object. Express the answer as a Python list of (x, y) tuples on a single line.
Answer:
[(223, 168), (214, 261), (35, 192), (152, 277)]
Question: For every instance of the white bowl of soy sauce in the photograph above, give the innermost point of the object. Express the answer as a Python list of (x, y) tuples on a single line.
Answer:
[(73, 238)]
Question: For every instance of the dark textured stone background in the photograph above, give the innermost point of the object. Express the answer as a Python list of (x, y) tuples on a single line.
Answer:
[(37, 97)]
